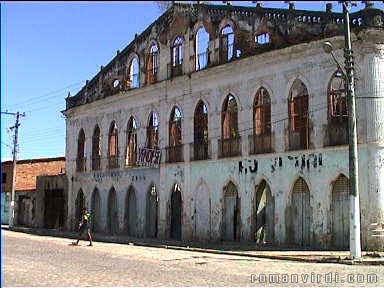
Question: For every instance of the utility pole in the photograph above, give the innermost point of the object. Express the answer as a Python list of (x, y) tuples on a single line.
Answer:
[(15, 143), (354, 221)]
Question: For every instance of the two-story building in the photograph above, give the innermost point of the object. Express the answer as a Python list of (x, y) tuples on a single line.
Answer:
[(230, 123)]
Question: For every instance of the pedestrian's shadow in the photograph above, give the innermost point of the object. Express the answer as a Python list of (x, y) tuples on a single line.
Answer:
[(73, 244)]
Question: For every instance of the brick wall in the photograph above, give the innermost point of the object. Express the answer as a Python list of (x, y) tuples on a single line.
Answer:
[(28, 170)]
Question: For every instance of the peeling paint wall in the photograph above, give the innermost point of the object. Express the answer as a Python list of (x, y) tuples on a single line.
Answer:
[(202, 182)]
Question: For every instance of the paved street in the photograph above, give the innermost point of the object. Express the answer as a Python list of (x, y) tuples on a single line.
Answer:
[(48, 261)]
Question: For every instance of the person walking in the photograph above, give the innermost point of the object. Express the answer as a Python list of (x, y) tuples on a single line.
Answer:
[(84, 226)]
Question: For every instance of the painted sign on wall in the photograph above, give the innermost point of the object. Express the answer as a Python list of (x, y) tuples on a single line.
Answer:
[(148, 157)]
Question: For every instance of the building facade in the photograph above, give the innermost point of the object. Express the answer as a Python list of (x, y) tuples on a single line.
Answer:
[(250, 117), (27, 198)]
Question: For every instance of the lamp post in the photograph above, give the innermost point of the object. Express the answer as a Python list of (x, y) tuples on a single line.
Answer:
[(354, 221)]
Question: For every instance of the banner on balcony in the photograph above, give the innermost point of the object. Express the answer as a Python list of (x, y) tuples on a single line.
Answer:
[(148, 157)]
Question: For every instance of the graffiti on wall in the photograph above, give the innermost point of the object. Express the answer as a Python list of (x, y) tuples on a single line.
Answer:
[(303, 161)]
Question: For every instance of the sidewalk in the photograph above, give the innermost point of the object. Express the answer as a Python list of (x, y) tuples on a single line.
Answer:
[(238, 249)]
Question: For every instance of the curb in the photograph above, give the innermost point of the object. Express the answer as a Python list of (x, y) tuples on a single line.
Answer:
[(325, 259)]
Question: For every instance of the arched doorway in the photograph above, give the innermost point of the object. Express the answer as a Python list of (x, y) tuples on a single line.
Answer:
[(112, 219), (79, 206), (299, 215), (176, 212), (95, 211), (264, 214), (131, 212), (340, 213), (231, 213), (151, 212)]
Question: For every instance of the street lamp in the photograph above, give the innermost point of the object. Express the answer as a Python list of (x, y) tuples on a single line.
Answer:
[(354, 220)]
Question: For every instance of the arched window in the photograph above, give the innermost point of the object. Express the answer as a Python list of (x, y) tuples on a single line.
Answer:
[(177, 57), (337, 97), (96, 149), (230, 144), (261, 122), (200, 132), (262, 39), (153, 131), (113, 151), (134, 73), (176, 213), (152, 64), (229, 118), (227, 40), (175, 149), (131, 151), (80, 160), (177, 52), (337, 110), (201, 53), (298, 116)]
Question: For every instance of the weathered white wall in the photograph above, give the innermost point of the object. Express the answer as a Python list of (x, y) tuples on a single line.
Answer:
[(276, 71)]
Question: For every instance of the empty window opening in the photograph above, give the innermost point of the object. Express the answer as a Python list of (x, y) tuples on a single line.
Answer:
[(262, 39), (231, 213), (227, 39), (131, 212), (134, 79), (201, 53), (112, 213), (153, 64), (131, 151), (176, 213), (230, 144), (153, 131), (151, 219), (177, 52), (96, 211)]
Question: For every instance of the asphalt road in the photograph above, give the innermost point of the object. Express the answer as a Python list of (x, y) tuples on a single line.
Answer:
[(31, 260)]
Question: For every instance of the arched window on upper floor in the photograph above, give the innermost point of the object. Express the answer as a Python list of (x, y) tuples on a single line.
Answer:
[(262, 39), (134, 73), (152, 64), (96, 149), (175, 149), (298, 116), (230, 142), (337, 110), (200, 132), (177, 57), (80, 159), (201, 49), (153, 131), (261, 123), (131, 151), (113, 150), (227, 40)]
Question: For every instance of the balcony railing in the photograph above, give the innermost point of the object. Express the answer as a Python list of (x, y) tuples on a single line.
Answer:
[(174, 153), (113, 162), (175, 70), (96, 163), (338, 132), (297, 141), (202, 60), (260, 144), (230, 147), (200, 151), (80, 164)]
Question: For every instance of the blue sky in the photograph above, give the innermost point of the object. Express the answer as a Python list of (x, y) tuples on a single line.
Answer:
[(51, 48)]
